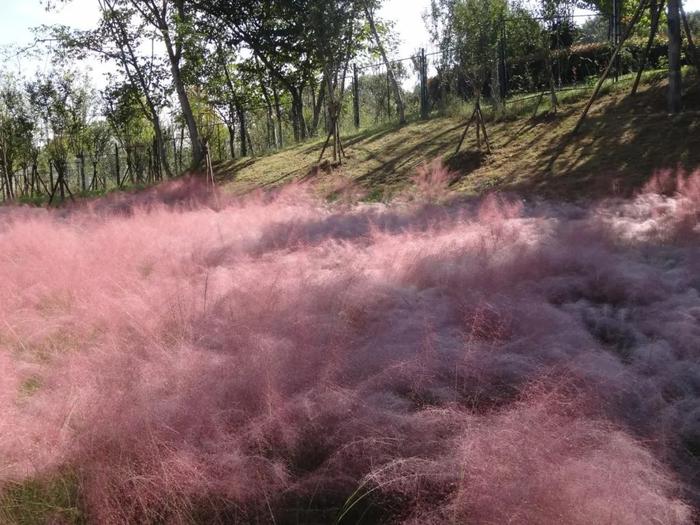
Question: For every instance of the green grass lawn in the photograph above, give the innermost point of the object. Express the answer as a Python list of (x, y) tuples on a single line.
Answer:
[(623, 142)]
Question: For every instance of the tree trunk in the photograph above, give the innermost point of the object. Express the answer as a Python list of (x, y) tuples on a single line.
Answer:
[(185, 106), (157, 16), (127, 56), (271, 130), (298, 113), (242, 126), (674, 57), (278, 114), (232, 139), (312, 87), (160, 141), (7, 168), (250, 143), (390, 72), (295, 123), (318, 107), (83, 182)]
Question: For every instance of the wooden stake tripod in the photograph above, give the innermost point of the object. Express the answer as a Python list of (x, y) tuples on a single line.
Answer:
[(60, 184), (480, 125), (635, 18), (656, 10), (338, 150)]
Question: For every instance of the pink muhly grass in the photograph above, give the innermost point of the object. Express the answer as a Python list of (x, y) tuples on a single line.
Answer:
[(432, 180), (202, 358)]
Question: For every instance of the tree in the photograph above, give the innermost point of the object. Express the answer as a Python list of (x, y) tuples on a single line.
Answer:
[(119, 38), (674, 39), (477, 32), (390, 72), (122, 107), (294, 42), (274, 33), (61, 99), (98, 138), (554, 14), (16, 133), (172, 22)]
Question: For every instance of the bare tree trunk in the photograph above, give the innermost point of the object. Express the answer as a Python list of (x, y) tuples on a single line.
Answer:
[(390, 72), (271, 130), (232, 139), (242, 126), (278, 113), (318, 107), (250, 143), (298, 113)]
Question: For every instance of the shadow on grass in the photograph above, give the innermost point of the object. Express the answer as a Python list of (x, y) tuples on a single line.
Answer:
[(398, 158), (465, 162), (226, 171), (618, 150)]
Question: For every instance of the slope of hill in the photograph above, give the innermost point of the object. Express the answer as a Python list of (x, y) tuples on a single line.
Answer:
[(623, 142)]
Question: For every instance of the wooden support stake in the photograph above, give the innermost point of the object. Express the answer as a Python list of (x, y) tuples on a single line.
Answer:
[(689, 35), (466, 128), (635, 19), (537, 106), (655, 17), (477, 116), (483, 126)]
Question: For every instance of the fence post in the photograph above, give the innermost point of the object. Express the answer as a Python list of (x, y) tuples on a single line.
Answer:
[(423, 85), (356, 96)]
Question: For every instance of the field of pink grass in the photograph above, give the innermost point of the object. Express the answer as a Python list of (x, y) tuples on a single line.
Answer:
[(178, 357)]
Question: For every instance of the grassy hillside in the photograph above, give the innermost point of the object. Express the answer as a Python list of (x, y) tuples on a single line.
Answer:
[(623, 142)]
